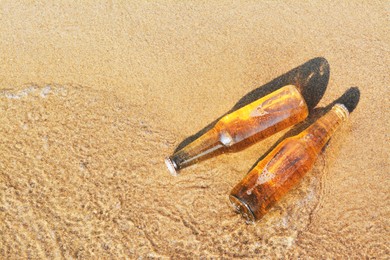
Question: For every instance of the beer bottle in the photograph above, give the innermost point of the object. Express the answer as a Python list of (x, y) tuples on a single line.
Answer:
[(284, 166), (266, 116)]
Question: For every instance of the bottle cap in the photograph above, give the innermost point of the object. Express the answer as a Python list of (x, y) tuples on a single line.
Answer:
[(171, 166), (341, 110)]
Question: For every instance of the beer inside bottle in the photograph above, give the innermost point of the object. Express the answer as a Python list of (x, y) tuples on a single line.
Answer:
[(266, 116), (273, 176)]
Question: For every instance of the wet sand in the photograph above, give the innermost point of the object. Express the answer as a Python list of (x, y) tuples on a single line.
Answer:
[(94, 96)]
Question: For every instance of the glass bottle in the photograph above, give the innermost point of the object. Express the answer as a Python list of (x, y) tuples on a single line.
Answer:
[(284, 166), (266, 116)]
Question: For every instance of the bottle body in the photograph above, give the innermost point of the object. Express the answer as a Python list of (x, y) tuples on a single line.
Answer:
[(282, 168), (253, 122), (264, 117)]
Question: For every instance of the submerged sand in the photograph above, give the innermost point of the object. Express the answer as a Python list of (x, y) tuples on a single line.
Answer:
[(94, 96)]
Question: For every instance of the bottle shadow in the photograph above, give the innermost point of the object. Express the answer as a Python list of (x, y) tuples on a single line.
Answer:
[(311, 78), (349, 99)]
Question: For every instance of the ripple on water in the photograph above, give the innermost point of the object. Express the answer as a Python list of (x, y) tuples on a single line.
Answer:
[(86, 152)]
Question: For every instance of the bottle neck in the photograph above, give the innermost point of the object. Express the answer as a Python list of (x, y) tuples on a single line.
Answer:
[(201, 148), (319, 133)]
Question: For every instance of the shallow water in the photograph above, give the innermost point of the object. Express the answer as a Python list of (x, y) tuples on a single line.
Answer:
[(83, 176)]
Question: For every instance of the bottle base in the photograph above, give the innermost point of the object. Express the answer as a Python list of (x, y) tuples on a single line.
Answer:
[(243, 208)]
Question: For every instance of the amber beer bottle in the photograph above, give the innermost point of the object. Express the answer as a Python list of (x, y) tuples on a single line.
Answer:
[(272, 113), (273, 176)]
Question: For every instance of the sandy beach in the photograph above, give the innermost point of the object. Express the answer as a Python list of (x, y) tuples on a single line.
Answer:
[(94, 96)]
